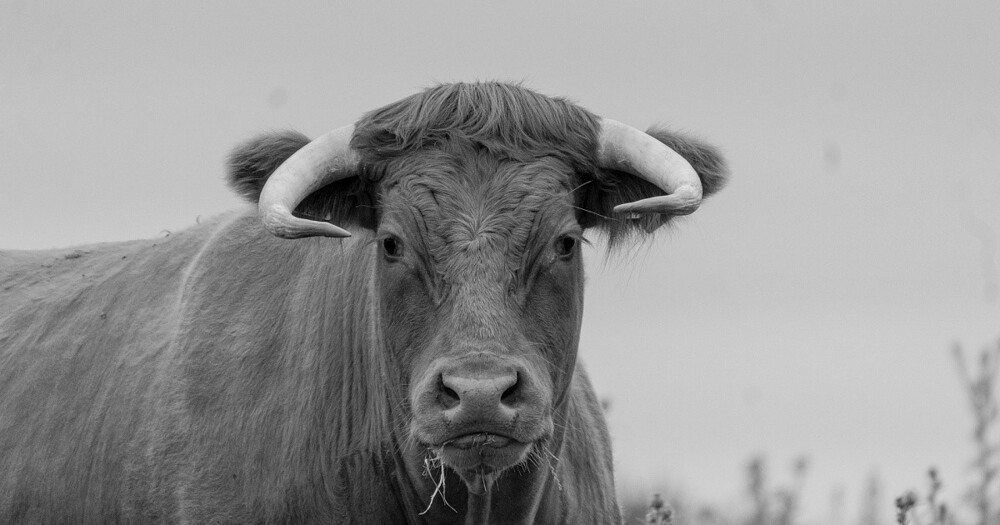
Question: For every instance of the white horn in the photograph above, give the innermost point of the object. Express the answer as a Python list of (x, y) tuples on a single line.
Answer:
[(324, 160), (627, 149)]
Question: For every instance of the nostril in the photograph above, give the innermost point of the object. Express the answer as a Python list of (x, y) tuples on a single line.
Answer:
[(449, 398), (509, 395)]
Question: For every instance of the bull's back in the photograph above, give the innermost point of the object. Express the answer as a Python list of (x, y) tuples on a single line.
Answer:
[(84, 349)]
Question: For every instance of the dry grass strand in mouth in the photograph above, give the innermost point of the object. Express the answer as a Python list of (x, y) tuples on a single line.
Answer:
[(434, 468), (433, 461)]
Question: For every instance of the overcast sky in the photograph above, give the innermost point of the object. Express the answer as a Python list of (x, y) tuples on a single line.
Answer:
[(807, 309)]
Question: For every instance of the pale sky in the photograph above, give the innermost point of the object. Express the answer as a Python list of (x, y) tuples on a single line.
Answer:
[(807, 309)]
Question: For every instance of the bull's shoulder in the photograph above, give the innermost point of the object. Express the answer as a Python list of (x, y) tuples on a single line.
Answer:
[(86, 287)]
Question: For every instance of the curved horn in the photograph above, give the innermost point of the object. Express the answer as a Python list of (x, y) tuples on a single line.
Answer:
[(627, 149), (324, 160)]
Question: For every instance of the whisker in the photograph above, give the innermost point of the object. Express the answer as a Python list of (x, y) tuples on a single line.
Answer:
[(605, 217), (580, 186)]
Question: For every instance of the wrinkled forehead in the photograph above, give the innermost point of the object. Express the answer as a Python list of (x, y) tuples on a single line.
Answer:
[(477, 182), (477, 199)]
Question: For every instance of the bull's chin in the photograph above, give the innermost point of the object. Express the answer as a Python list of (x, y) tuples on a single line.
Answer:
[(479, 458)]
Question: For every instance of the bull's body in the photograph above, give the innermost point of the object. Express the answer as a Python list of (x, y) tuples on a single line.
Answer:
[(423, 371), (168, 379)]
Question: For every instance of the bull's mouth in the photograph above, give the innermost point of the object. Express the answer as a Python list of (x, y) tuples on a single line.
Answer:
[(483, 451), (479, 457)]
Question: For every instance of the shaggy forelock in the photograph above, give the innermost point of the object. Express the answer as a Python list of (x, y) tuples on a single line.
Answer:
[(472, 164), (508, 120)]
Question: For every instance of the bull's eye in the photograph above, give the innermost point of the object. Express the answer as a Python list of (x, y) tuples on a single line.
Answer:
[(565, 246), (392, 248)]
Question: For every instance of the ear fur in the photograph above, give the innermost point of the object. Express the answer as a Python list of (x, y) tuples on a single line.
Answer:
[(705, 158), (347, 201), (251, 163), (610, 188)]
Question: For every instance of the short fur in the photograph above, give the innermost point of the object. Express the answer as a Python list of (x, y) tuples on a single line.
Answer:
[(224, 375)]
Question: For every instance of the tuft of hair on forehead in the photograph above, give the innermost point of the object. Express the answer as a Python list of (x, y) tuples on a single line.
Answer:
[(508, 120)]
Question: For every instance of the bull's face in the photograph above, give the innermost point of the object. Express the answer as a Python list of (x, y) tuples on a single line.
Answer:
[(477, 194), (480, 284)]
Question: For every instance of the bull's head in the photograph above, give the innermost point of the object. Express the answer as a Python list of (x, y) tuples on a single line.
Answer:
[(476, 198)]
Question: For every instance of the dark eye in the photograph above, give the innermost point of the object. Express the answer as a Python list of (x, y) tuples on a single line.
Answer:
[(565, 246), (392, 247)]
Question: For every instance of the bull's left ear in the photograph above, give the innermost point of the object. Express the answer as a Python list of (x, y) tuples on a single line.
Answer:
[(611, 188), (347, 202)]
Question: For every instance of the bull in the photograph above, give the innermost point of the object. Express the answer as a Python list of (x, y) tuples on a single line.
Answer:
[(409, 356)]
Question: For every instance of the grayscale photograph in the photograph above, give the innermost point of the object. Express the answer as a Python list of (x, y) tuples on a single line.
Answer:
[(441, 262)]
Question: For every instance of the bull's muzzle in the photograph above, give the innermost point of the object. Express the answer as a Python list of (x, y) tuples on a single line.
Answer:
[(469, 396), (482, 411)]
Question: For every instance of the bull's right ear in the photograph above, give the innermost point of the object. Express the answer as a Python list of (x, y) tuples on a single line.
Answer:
[(347, 202)]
